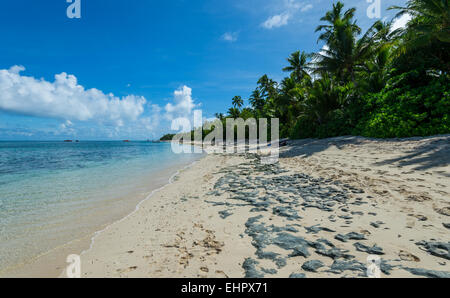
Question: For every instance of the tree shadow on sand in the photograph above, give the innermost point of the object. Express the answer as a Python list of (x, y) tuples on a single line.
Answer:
[(429, 153), (309, 147), (435, 153)]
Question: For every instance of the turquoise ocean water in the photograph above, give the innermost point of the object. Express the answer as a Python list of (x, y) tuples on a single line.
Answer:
[(55, 192)]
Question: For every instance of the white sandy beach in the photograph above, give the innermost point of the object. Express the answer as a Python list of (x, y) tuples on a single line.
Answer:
[(395, 194), (329, 203)]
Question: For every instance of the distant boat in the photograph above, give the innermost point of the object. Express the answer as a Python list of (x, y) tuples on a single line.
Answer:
[(68, 141), (126, 141)]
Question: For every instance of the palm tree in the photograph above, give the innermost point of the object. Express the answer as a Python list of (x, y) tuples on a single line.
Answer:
[(267, 86), (375, 67), (335, 17), (383, 32), (234, 113), (256, 100), (298, 65), (324, 98), (432, 19), (343, 53), (238, 102), (290, 98), (428, 32), (219, 116), (375, 72)]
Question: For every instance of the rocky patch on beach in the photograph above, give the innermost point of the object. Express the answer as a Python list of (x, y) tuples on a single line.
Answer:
[(280, 200)]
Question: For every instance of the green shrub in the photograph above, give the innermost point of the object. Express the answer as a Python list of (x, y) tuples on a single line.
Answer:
[(404, 110), (337, 125)]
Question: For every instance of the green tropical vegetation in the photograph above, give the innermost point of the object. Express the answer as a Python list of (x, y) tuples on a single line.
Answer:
[(167, 137), (380, 83)]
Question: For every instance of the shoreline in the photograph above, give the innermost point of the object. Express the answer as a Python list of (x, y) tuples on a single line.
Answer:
[(52, 263), (170, 181), (339, 200)]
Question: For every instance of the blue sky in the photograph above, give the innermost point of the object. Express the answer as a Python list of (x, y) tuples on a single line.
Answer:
[(126, 68)]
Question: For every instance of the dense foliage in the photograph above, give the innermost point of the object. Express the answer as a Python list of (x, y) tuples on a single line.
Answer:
[(167, 137), (380, 83)]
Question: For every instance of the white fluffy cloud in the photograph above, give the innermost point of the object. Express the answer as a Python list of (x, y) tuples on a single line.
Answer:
[(64, 99), (183, 104), (290, 8), (277, 21), (88, 113)]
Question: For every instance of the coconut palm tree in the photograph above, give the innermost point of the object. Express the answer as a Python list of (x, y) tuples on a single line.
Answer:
[(238, 102), (298, 65), (336, 17), (234, 113), (291, 96), (383, 32), (432, 19), (324, 98), (345, 54), (219, 116), (256, 100), (375, 72), (342, 51), (428, 32), (267, 86), (375, 67)]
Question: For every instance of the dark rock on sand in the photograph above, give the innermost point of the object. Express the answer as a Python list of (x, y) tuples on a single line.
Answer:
[(350, 236), (297, 275), (287, 212), (266, 255), (386, 268), (376, 224), (312, 266), (316, 229), (224, 214), (298, 245), (334, 253), (346, 217), (321, 242), (300, 251), (291, 229), (280, 262), (249, 266), (437, 249), (269, 271), (340, 266), (428, 273), (374, 250)]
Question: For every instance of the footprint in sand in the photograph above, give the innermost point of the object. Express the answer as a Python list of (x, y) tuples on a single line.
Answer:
[(410, 224), (443, 211), (419, 217), (418, 198), (129, 269), (407, 256)]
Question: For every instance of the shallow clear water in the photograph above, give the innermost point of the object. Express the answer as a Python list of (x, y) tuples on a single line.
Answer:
[(54, 192)]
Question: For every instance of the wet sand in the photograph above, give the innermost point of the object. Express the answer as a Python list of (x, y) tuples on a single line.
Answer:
[(52, 262)]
